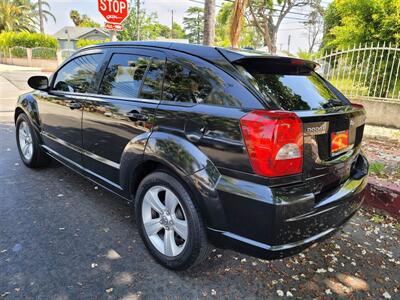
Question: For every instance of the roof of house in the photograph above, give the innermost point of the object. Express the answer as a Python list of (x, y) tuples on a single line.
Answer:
[(75, 33)]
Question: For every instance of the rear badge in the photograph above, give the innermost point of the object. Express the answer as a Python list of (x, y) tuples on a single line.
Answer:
[(315, 128), (339, 141)]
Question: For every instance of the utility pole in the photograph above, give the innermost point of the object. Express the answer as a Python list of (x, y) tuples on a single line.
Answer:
[(41, 16), (172, 24), (209, 22), (113, 36), (288, 43), (138, 20)]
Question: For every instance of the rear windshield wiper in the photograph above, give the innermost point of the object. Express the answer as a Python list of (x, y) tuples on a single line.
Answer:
[(332, 103)]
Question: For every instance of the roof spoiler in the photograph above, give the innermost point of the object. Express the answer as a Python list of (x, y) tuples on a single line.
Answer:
[(254, 57)]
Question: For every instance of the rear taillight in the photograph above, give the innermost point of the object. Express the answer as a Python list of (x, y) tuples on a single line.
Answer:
[(274, 141), (356, 105)]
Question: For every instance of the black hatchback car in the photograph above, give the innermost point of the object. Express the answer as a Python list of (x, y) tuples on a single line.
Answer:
[(240, 149)]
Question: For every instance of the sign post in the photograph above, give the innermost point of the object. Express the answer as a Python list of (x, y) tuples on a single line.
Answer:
[(115, 12)]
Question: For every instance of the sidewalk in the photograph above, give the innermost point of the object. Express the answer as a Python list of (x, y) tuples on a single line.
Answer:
[(13, 68), (13, 82)]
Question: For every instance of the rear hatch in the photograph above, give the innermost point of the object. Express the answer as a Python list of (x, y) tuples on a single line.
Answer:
[(332, 126)]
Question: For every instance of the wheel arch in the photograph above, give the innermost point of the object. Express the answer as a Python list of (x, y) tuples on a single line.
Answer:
[(181, 159), (27, 104)]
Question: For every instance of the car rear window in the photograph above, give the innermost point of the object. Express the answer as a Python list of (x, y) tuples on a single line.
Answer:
[(291, 87)]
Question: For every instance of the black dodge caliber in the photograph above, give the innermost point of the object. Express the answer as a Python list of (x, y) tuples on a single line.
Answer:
[(239, 149)]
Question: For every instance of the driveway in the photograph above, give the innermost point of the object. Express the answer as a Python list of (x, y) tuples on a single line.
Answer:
[(62, 237)]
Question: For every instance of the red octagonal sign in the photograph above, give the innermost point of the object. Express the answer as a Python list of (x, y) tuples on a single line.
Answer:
[(115, 11)]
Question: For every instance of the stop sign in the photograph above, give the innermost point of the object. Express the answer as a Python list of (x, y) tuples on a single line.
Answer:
[(115, 11)]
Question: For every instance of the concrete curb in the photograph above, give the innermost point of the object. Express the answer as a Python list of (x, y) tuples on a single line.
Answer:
[(384, 196)]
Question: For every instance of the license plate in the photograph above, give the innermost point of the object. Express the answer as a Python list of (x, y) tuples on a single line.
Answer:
[(339, 141)]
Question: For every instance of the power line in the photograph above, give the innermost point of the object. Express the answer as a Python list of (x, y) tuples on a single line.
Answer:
[(288, 18), (277, 8)]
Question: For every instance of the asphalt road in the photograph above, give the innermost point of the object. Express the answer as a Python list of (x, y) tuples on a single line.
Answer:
[(62, 237)]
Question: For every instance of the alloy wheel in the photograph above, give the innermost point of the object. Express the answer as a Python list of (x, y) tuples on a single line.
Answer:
[(164, 221), (25, 140)]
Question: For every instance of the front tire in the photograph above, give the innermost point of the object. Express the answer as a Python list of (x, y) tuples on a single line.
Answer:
[(28, 144), (169, 223)]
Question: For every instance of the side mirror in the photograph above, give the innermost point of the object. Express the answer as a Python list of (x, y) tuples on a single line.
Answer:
[(40, 83)]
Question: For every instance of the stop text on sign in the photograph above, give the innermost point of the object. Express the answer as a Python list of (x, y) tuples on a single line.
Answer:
[(114, 11)]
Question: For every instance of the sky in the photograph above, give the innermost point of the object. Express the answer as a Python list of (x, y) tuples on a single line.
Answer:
[(291, 26)]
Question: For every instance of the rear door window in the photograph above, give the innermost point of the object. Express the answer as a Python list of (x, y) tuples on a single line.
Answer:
[(182, 84), (201, 85), (152, 85), (124, 75), (291, 88)]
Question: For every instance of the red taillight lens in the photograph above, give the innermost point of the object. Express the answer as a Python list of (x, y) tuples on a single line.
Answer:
[(356, 105), (274, 141)]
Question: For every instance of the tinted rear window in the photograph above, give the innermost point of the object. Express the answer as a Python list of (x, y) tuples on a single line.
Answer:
[(291, 88)]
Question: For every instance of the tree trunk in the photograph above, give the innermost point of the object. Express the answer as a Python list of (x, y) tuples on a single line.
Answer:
[(267, 38), (209, 22), (273, 40), (41, 16), (237, 22)]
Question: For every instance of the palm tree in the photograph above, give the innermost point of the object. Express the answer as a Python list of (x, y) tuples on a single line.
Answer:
[(209, 22), (15, 16), (41, 10), (23, 15)]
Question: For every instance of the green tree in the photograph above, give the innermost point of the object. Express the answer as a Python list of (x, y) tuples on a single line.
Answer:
[(82, 20), (350, 22), (194, 25), (22, 15), (178, 32), (248, 36), (83, 43), (150, 28), (267, 18)]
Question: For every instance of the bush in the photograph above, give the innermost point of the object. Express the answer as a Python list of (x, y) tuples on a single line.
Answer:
[(27, 40), (84, 43)]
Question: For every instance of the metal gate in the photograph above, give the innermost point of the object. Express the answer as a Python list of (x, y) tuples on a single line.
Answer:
[(368, 71)]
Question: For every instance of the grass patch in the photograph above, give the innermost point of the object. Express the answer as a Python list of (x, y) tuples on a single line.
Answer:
[(397, 226), (376, 168), (377, 219)]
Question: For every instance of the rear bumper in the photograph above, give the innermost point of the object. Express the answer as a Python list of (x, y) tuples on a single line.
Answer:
[(278, 222)]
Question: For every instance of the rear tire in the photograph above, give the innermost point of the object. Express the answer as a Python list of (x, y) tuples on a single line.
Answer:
[(169, 223), (28, 144)]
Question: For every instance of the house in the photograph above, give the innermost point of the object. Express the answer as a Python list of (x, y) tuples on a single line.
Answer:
[(69, 35)]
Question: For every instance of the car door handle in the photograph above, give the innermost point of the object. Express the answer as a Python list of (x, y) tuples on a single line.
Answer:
[(74, 105), (137, 116)]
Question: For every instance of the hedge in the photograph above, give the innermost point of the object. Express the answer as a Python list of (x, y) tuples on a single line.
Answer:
[(27, 40), (84, 43)]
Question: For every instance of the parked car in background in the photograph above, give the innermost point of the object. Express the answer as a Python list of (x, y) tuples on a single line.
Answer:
[(239, 149)]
